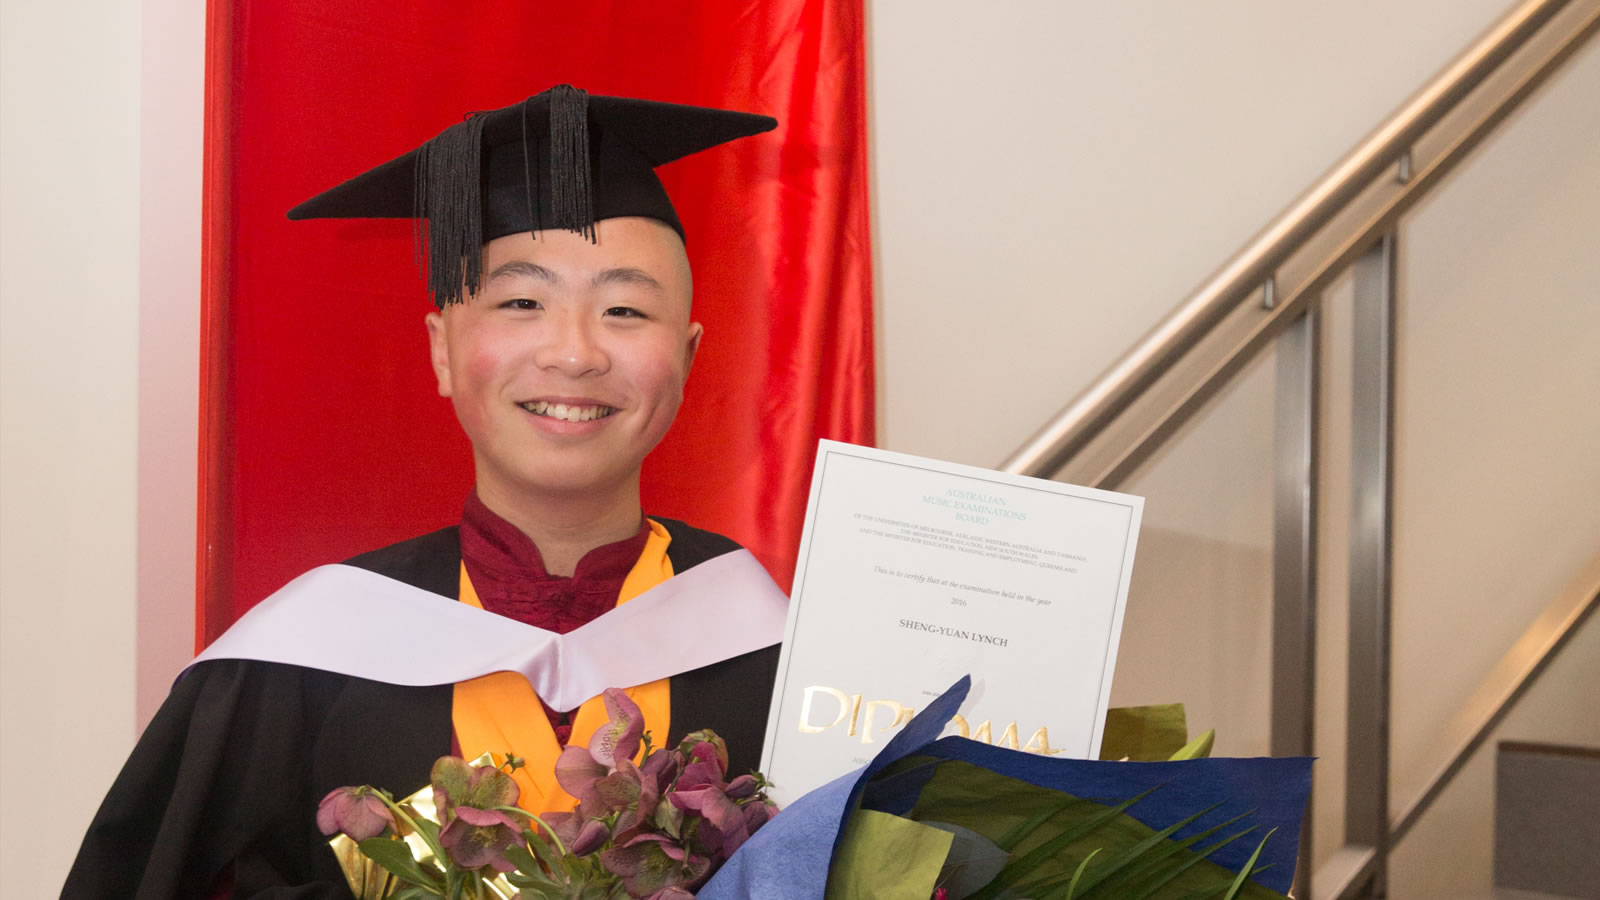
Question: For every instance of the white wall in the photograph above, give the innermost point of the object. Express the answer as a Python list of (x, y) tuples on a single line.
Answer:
[(99, 225), (171, 138), (1053, 178), (69, 242)]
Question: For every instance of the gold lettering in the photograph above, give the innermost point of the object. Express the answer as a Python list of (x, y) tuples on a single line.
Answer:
[(902, 715), (1009, 737), (855, 714), (1040, 743), (805, 709)]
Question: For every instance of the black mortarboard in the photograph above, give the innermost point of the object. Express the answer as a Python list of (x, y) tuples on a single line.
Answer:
[(559, 159)]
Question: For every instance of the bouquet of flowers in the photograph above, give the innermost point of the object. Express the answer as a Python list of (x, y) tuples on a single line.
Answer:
[(656, 830), (935, 818), (953, 818)]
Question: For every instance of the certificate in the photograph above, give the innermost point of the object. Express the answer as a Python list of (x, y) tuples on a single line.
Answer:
[(914, 572)]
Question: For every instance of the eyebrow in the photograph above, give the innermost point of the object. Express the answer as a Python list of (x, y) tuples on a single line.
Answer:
[(622, 275), (524, 268), (628, 275)]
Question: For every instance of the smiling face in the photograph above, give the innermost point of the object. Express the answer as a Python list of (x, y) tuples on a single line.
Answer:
[(568, 365)]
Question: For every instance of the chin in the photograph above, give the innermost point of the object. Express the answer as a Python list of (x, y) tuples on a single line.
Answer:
[(556, 479)]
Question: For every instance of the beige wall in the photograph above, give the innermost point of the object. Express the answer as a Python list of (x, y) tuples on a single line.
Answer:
[(69, 243), (1498, 471), (1052, 178), (99, 183)]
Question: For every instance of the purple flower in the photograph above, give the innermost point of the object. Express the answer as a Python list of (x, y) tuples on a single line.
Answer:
[(671, 893), (628, 794), (663, 767), (358, 812), (706, 766), (450, 777), (650, 863), (566, 825), (669, 817), (618, 738), (476, 833), (757, 815), (706, 736), (577, 771), (741, 787), (591, 838), (727, 829), (479, 837), (457, 784)]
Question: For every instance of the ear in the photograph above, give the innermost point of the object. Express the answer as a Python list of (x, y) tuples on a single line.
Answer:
[(692, 346), (439, 351)]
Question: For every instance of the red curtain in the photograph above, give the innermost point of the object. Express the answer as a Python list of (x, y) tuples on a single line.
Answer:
[(323, 435)]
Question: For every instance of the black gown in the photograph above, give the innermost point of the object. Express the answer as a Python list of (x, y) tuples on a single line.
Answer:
[(232, 767)]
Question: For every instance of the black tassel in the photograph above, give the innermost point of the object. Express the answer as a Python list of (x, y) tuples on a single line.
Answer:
[(449, 196), (571, 193), (529, 148)]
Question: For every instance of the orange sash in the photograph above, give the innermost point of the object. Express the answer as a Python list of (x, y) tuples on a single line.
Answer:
[(500, 712)]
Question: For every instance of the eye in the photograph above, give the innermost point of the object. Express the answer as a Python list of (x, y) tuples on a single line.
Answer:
[(625, 312), (522, 303)]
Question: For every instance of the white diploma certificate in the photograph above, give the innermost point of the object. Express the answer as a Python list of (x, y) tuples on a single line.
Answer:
[(913, 573)]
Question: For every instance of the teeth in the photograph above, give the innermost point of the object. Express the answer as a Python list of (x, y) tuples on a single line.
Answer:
[(567, 413)]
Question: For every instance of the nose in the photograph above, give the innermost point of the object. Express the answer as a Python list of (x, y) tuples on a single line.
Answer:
[(569, 344)]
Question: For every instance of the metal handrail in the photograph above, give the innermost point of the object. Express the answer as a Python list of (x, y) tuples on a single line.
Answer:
[(1497, 694), (1508, 681), (1270, 289), (1094, 410)]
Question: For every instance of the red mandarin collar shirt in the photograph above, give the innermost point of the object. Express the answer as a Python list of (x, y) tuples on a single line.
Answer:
[(509, 575)]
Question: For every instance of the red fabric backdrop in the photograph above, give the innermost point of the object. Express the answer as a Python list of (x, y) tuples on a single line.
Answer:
[(323, 433)]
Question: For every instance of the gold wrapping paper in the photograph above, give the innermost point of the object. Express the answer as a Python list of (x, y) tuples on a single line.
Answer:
[(370, 881)]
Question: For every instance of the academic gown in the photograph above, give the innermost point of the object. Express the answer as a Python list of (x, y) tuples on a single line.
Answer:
[(234, 763)]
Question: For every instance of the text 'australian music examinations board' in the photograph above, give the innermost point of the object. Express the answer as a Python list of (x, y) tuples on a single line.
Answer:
[(914, 572)]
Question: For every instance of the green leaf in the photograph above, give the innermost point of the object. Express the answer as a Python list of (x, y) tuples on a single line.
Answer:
[(1114, 875), (1015, 836), (887, 857), (1038, 855), (1193, 861), (1133, 854), (1155, 859), (396, 858), (1199, 748), (1249, 867), (1072, 886), (546, 853), (1144, 733), (525, 880), (973, 860), (522, 859), (997, 807), (429, 829), (413, 892)]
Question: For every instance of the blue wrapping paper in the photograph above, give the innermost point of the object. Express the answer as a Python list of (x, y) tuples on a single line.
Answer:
[(788, 858)]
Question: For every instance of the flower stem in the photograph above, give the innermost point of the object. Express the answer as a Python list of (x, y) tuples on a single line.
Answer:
[(560, 847), (438, 851)]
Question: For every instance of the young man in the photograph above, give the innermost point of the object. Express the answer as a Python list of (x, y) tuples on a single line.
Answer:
[(563, 338)]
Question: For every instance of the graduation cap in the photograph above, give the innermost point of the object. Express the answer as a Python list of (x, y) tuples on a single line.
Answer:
[(559, 159)]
